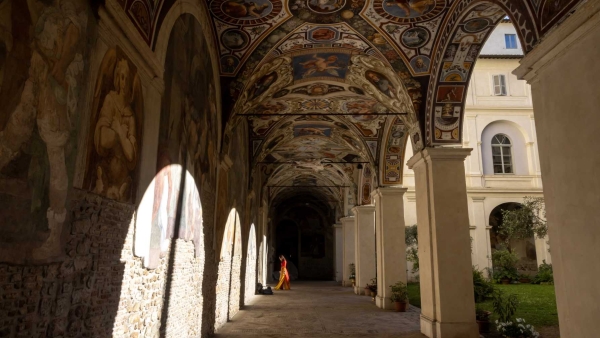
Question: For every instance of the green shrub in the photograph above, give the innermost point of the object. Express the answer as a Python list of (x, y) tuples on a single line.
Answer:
[(481, 286), (544, 275), (412, 243), (504, 306), (505, 265)]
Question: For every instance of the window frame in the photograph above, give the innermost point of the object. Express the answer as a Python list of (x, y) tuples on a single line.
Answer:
[(503, 88), (503, 147), (512, 38)]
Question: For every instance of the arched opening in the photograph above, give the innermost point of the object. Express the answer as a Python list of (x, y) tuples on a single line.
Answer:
[(251, 268), (228, 271), (523, 248), (287, 237)]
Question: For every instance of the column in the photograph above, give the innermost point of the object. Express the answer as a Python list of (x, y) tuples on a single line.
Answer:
[(365, 246), (339, 252), (565, 86), (348, 228), (447, 304), (390, 243)]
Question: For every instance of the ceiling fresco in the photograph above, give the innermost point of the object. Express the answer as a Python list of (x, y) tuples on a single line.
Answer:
[(328, 85)]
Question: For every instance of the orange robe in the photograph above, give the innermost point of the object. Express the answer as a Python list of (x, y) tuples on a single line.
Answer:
[(284, 277)]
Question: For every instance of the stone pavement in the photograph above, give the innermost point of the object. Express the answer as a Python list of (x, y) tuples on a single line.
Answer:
[(320, 309)]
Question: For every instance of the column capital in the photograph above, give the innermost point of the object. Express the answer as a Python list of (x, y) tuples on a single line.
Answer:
[(561, 39), (363, 208), (441, 154), (389, 191), (337, 225), (347, 219)]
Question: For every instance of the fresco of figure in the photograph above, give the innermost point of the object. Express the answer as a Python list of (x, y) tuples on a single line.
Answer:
[(115, 138), (49, 96)]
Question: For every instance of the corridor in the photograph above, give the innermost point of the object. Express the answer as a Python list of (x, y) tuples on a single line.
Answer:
[(319, 309)]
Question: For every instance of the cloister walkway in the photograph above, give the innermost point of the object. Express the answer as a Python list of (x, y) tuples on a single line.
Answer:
[(320, 309)]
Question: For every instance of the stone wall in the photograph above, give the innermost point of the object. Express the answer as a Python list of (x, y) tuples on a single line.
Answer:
[(77, 295)]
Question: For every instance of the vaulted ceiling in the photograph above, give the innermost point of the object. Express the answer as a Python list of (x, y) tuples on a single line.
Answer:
[(329, 84)]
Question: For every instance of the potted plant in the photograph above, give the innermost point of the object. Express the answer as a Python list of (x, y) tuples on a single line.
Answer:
[(352, 275), (508, 326), (399, 296), (483, 319), (524, 278), (371, 288)]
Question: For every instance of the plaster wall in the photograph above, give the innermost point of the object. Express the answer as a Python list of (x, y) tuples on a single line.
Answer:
[(496, 45)]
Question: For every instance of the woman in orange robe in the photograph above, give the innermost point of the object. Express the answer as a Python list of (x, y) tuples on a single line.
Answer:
[(284, 277)]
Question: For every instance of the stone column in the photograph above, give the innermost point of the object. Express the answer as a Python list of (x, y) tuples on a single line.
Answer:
[(339, 252), (365, 246), (348, 227), (390, 243), (447, 302), (563, 73)]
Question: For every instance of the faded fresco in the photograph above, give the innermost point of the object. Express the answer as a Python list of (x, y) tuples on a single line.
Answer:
[(42, 47), (187, 149), (115, 129)]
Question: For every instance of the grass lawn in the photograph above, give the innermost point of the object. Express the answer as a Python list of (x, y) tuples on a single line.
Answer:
[(537, 303)]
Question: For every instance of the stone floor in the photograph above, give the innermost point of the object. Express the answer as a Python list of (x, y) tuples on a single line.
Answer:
[(320, 309)]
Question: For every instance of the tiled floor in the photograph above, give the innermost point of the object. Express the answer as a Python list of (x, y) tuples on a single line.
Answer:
[(320, 309)]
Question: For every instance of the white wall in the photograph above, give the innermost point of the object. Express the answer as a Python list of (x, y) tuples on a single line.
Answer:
[(496, 45)]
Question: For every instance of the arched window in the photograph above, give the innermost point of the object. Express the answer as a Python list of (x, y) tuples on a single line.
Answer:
[(501, 154)]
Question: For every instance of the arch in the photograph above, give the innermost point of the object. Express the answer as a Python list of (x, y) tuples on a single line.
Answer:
[(251, 267), (518, 146), (524, 249), (472, 23), (229, 259), (163, 38)]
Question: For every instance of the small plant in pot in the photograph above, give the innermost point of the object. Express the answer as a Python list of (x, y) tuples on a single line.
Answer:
[(524, 278), (371, 288), (399, 296), (483, 320)]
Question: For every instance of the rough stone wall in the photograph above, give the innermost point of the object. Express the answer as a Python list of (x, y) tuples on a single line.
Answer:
[(78, 295), (100, 289)]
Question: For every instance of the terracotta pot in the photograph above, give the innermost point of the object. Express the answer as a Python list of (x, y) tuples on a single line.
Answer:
[(524, 280), (373, 294), (400, 306), (484, 326), (505, 281)]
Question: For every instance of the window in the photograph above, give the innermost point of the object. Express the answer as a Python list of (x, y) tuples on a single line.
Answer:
[(511, 41), (499, 85), (501, 155)]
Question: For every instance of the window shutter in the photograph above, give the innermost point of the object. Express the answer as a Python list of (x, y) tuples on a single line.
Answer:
[(499, 85)]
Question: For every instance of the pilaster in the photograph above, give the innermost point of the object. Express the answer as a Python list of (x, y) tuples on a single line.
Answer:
[(349, 231)]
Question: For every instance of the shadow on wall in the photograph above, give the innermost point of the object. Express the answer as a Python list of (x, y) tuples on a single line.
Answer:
[(78, 258)]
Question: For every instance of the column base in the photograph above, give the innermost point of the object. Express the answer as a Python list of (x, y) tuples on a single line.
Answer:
[(384, 303), (435, 329), (359, 291)]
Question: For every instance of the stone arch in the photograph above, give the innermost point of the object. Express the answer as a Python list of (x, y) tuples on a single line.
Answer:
[(518, 141), (471, 23), (190, 7)]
